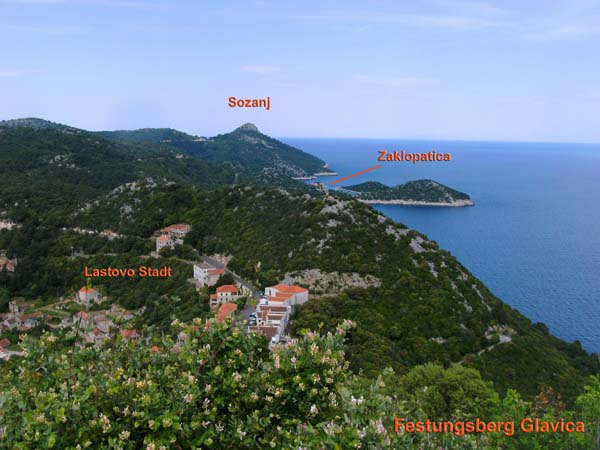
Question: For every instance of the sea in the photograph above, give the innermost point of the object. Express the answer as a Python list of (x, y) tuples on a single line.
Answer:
[(533, 236)]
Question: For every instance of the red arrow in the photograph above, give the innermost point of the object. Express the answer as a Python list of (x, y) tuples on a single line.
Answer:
[(339, 180)]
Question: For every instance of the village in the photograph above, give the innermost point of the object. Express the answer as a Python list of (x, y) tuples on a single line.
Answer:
[(94, 317)]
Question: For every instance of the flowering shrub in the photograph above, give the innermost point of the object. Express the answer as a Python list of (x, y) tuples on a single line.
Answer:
[(208, 385)]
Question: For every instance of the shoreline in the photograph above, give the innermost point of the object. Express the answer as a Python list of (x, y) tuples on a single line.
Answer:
[(454, 204), (315, 175)]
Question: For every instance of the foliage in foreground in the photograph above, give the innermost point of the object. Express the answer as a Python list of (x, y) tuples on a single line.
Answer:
[(211, 386)]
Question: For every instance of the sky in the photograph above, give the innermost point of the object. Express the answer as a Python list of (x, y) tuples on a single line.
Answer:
[(433, 69)]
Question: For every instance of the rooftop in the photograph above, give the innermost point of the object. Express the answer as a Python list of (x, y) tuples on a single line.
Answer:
[(284, 288), (227, 288), (225, 310), (128, 334)]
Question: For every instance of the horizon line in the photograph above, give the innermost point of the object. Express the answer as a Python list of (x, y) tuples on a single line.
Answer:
[(507, 141), (515, 141)]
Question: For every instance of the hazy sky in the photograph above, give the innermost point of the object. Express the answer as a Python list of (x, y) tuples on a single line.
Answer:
[(506, 70)]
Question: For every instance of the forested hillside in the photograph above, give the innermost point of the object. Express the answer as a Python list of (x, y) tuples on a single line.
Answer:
[(246, 149), (60, 166), (418, 306), (428, 307), (167, 136)]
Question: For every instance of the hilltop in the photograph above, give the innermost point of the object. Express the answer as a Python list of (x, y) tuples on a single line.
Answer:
[(247, 150), (247, 147), (168, 136), (35, 124), (416, 193)]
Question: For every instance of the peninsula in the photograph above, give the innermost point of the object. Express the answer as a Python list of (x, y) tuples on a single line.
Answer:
[(412, 193)]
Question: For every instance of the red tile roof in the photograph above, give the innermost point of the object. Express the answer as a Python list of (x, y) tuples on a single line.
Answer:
[(227, 288), (178, 226), (82, 314), (279, 298), (128, 334), (30, 316), (87, 290), (216, 271), (4, 343), (213, 296), (225, 310), (284, 288), (163, 238)]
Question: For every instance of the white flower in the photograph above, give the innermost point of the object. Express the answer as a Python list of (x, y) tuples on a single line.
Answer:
[(380, 427), (124, 435), (314, 410), (188, 398)]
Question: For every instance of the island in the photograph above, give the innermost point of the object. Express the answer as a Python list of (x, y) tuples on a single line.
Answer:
[(412, 193)]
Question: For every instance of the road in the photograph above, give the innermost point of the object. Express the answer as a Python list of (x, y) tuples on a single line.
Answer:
[(213, 262)]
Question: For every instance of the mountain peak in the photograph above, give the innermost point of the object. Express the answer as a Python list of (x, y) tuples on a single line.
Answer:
[(248, 127), (35, 123)]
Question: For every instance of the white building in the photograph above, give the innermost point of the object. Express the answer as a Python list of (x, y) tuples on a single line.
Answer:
[(271, 321), (283, 294), (207, 275), (86, 296), (164, 241), (225, 294)]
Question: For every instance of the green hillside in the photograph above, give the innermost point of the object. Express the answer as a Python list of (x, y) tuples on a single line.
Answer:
[(250, 152), (54, 166), (36, 124), (167, 136), (427, 308)]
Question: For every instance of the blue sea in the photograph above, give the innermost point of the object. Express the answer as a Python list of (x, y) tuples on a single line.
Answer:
[(534, 235)]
